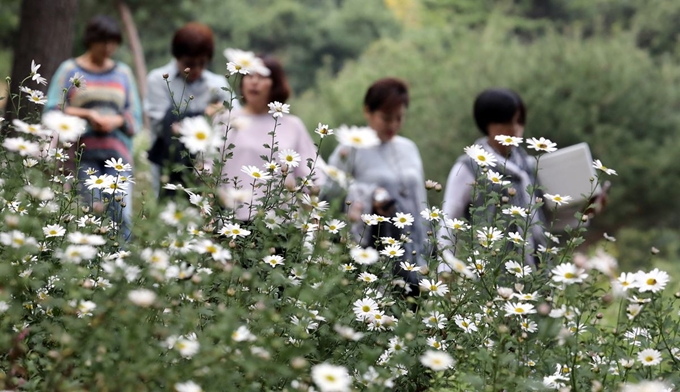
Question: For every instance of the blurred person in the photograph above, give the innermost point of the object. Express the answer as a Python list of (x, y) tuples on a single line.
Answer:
[(182, 88), (497, 112), (388, 178), (250, 129), (103, 92)]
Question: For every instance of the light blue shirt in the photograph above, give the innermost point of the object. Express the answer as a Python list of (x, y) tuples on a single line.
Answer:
[(207, 89)]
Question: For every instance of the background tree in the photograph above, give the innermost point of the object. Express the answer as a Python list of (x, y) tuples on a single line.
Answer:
[(46, 30)]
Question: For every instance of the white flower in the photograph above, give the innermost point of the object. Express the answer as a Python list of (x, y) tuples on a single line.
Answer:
[(402, 220), (480, 155), (197, 135), (188, 386), (323, 130), (85, 308), (627, 280), (489, 235), (649, 357), (142, 297), (78, 80), (53, 231), (367, 277), (242, 334), (541, 144), (364, 308), (599, 166), (331, 378), (558, 199), (357, 137), (568, 273), (68, 128), (456, 224), (256, 173), (437, 360), (77, 253), (31, 129), (244, 63), (22, 146), (278, 109), (273, 260), (290, 158), (647, 386), (465, 323), (437, 344), (35, 76), (364, 256), (508, 140), (515, 211), (348, 333), (118, 165), (457, 265), (432, 214), (437, 289), (518, 309), (187, 346), (517, 269), (435, 320), (653, 281), (496, 178), (392, 251), (234, 230), (334, 226)]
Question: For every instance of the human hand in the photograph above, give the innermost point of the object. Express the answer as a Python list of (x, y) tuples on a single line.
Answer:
[(213, 109)]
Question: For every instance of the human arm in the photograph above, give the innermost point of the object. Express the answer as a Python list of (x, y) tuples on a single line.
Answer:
[(156, 103), (457, 199)]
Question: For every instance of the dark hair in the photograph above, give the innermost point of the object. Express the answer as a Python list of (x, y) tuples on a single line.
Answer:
[(497, 106), (386, 93), (102, 28), (522, 119), (280, 90), (193, 40)]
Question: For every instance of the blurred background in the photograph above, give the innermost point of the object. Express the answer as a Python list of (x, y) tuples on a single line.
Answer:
[(606, 72)]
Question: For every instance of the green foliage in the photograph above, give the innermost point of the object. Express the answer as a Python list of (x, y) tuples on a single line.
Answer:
[(604, 91)]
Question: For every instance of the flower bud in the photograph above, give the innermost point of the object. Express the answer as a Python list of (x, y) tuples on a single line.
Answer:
[(654, 250), (166, 76), (512, 191), (187, 70), (438, 187)]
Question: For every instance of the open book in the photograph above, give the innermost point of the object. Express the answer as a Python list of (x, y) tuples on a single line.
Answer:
[(568, 171)]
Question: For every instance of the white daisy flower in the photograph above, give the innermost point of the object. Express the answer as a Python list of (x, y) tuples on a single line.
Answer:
[(392, 251), (496, 178), (364, 256), (568, 273), (480, 155), (437, 289), (118, 165), (323, 130), (244, 63), (541, 144), (437, 360), (402, 220), (187, 386), (273, 260), (278, 109), (515, 211), (508, 140), (331, 378), (68, 128), (599, 166), (518, 309), (142, 297), (357, 137), (256, 173), (197, 135), (334, 226), (54, 231), (367, 277), (290, 158), (558, 199), (653, 281), (649, 357)]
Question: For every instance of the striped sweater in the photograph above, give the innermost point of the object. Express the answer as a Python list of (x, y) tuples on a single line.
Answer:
[(110, 92)]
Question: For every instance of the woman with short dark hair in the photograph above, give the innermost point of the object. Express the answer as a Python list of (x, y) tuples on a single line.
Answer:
[(103, 92), (167, 101), (251, 126), (388, 178), (497, 112)]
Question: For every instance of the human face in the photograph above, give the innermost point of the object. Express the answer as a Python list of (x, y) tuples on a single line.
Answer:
[(513, 128), (103, 50), (256, 90), (386, 122), (196, 65)]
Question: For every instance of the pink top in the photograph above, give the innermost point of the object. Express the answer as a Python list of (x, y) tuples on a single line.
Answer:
[(249, 133)]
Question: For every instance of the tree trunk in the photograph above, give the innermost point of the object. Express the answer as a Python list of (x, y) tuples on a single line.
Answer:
[(46, 31), (135, 45)]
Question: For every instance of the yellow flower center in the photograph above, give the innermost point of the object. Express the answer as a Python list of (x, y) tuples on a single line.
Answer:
[(519, 310), (651, 281), (569, 275), (200, 135)]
